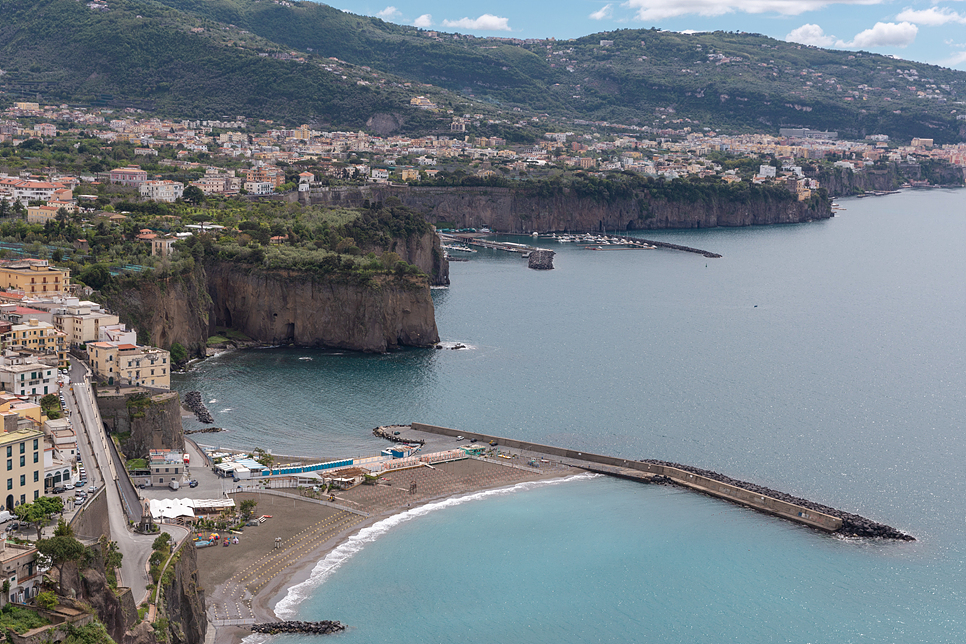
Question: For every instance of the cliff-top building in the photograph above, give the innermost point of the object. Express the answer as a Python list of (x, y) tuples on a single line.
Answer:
[(33, 277)]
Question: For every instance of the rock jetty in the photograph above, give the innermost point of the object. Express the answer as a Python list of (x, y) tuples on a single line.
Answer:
[(310, 628), (193, 403), (206, 430), (389, 433), (853, 525), (541, 260)]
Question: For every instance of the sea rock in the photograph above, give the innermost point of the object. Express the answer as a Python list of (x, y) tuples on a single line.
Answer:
[(314, 628), (541, 260), (193, 403)]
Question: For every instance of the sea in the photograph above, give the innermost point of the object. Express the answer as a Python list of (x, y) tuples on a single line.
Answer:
[(823, 359)]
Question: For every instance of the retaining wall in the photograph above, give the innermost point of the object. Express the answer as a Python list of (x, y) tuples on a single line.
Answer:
[(699, 483)]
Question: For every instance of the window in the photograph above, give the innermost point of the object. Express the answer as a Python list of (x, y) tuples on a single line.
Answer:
[(23, 461), (36, 476), (9, 484), (36, 494), (23, 447), (23, 481), (9, 464), (36, 456), (23, 499), (9, 450), (36, 444)]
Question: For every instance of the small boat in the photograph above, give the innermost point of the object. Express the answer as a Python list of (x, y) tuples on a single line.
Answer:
[(305, 358)]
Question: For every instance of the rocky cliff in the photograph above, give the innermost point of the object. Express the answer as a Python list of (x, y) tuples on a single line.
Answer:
[(153, 421), (289, 307), (184, 601), (166, 310), (513, 211), (840, 182)]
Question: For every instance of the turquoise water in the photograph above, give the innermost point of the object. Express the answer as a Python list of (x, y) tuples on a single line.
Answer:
[(823, 359)]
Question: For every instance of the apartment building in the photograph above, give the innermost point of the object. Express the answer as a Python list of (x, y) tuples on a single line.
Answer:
[(34, 276)]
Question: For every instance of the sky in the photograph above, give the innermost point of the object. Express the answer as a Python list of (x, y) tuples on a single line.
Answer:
[(929, 31)]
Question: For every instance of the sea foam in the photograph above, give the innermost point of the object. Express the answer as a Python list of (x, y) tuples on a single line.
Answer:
[(287, 606)]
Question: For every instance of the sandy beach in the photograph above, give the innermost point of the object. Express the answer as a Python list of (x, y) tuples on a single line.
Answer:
[(248, 579)]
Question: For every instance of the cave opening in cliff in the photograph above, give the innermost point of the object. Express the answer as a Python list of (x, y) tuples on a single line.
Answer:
[(226, 317)]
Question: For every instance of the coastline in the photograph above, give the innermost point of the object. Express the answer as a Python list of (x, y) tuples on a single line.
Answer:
[(460, 479)]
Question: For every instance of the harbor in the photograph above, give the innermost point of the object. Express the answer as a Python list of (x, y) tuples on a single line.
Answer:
[(463, 243)]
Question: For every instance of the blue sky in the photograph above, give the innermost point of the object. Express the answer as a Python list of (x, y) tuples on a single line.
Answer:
[(931, 31)]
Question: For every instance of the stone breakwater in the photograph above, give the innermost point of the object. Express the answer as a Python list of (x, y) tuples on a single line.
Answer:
[(206, 430), (193, 403), (853, 525), (388, 432), (541, 260), (660, 244), (311, 628)]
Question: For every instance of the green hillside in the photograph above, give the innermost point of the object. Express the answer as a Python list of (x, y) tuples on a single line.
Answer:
[(215, 57), (148, 53)]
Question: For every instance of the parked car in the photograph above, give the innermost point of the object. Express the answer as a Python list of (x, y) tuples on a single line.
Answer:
[(92, 489), (192, 483), (60, 490), (79, 485)]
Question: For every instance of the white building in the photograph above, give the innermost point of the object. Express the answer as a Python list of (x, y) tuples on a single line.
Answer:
[(161, 190)]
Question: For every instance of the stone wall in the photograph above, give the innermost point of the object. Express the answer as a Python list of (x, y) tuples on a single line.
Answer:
[(766, 504), (92, 520)]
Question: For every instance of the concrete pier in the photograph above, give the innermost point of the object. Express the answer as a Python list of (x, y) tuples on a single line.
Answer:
[(747, 494)]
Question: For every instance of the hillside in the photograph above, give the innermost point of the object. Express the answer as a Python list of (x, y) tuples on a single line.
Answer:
[(217, 57)]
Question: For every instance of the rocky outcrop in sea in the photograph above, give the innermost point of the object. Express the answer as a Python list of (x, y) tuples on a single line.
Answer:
[(193, 403), (853, 525), (541, 260), (389, 433)]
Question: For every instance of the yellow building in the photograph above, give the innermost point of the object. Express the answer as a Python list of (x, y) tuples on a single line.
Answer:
[(34, 276), (21, 460), (130, 364), (39, 338)]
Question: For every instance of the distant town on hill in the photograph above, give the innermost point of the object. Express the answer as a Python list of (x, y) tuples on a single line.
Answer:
[(304, 62)]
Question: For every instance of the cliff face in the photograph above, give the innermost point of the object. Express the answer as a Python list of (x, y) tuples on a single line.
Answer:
[(153, 421), (184, 601), (287, 307), (843, 181), (167, 310), (507, 211)]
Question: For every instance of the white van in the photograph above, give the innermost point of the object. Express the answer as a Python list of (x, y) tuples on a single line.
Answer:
[(5, 516)]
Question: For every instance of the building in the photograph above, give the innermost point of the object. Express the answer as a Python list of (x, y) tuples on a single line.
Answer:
[(163, 246), (129, 176), (130, 364), (168, 191), (166, 466), (20, 455), (26, 191), (23, 375), (41, 214), (261, 173), (34, 276), (80, 321), (18, 565), (258, 187), (38, 338)]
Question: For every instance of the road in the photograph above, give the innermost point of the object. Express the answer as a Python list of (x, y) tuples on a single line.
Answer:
[(92, 441)]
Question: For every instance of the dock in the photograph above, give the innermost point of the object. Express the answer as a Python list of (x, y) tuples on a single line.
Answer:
[(750, 495)]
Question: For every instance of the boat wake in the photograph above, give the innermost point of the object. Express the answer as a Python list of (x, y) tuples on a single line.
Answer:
[(226, 409), (287, 606)]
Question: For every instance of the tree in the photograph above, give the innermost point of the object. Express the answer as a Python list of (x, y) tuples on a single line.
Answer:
[(61, 549), (39, 512), (178, 353), (247, 509), (193, 195)]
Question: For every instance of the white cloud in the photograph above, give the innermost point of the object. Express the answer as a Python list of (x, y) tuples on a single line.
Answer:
[(389, 13), (932, 17), (810, 35), (486, 22), (603, 12), (955, 59), (884, 34), (660, 9), (425, 20)]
